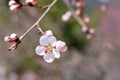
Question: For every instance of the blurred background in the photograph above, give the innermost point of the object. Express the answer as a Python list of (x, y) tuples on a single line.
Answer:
[(95, 59)]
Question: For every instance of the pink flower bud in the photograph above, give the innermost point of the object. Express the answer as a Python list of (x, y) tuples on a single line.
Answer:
[(86, 19), (78, 12), (84, 29), (14, 7), (12, 2), (66, 16), (13, 36), (91, 31), (8, 39), (61, 46), (49, 33), (29, 1)]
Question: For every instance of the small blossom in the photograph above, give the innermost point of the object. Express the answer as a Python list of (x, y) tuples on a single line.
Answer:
[(47, 49), (31, 2), (50, 48), (86, 19), (12, 2), (66, 16), (13, 36), (49, 33), (14, 7), (8, 39), (78, 12), (91, 31), (84, 29)]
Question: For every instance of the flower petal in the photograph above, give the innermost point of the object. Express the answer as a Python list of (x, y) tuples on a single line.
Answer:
[(52, 39), (56, 53), (61, 46), (49, 57), (40, 50), (44, 40)]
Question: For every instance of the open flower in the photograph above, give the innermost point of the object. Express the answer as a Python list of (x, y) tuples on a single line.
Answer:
[(47, 48)]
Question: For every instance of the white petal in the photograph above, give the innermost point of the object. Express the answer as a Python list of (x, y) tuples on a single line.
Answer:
[(49, 57), (61, 46), (48, 33), (56, 53), (40, 50), (11, 3), (44, 40), (52, 39)]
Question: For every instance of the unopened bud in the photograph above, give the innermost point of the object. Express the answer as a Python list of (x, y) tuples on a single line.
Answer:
[(80, 4), (12, 2), (8, 39), (86, 19), (91, 31), (14, 7), (84, 29), (78, 12), (13, 36)]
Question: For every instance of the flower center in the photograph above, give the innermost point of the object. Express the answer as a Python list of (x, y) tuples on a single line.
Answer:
[(48, 49)]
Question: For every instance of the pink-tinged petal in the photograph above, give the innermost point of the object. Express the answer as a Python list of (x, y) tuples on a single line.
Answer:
[(52, 39), (40, 50), (44, 40), (61, 46), (56, 53), (49, 57), (48, 33)]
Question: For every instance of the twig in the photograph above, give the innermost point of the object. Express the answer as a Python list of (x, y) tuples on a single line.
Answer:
[(38, 27), (80, 21), (35, 24)]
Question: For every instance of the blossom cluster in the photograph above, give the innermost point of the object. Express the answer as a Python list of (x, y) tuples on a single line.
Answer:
[(12, 38), (49, 47), (15, 4), (79, 7)]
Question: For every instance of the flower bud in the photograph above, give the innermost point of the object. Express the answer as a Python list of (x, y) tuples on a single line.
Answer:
[(84, 29), (91, 31), (8, 39), (61, 46), (66, 16), (12, 2), (78, 12), (13, 36), (86, 19), (14, 7), (29, 1)]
